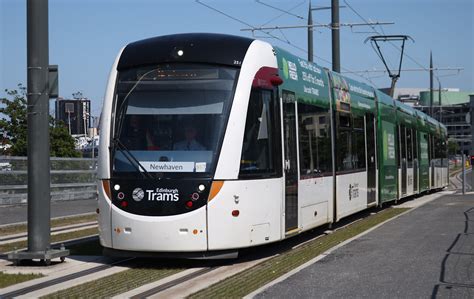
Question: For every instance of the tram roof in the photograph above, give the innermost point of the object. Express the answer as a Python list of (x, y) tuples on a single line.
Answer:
[(192, 47)]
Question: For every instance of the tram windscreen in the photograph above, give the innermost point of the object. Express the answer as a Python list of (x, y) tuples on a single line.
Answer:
[(171, 118)]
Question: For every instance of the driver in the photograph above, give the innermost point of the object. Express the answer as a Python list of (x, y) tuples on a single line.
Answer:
[(189, 143)]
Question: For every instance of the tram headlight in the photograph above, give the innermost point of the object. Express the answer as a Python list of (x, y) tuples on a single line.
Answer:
[(177, 52)]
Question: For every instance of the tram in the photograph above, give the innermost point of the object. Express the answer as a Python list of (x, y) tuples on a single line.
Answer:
[(211, 143)]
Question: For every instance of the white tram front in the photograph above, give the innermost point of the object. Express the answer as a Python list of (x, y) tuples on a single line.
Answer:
[(176, 172)]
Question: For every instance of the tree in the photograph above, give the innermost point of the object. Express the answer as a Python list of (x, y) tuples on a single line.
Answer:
[(62, 143), (453, 147), (13, 122)]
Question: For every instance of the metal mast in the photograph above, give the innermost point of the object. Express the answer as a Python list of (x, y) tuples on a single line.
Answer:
[(39, 193), (336, 53), (310, 33), (431, 84)]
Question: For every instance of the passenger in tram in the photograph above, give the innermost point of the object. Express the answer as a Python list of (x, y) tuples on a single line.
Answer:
[(136, 135), (189, 143)]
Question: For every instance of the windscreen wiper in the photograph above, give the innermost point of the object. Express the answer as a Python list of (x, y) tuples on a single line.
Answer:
[(122, 108), (131, 158)]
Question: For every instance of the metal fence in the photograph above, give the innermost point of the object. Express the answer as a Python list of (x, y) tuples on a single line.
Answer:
[(75, 178), (71, 179)]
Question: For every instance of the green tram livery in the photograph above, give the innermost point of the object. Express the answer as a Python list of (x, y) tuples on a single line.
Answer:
[(207, 134)]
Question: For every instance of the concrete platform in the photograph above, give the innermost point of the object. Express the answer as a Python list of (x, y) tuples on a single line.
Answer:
[(427, 252), (72, 265)]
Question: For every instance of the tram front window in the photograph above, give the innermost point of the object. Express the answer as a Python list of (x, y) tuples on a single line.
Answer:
[(170, 118)]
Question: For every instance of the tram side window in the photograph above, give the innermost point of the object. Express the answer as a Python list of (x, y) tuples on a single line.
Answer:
[(433, 148), (359, 142), (415, 145), (445, 153), (409, 148), (430, 155), (350, 143), (425, 148), (260, 154), (314, 141), (399, 160), (403, 144), (438, 151)]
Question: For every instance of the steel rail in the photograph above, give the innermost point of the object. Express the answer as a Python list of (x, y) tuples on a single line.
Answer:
[(174, 283), (54, 230), (58, 280)]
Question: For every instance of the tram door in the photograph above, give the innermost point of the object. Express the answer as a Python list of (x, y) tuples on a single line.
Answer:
[(290, 161), (403, 158), (432, 161), (371, 158), (415, 161)]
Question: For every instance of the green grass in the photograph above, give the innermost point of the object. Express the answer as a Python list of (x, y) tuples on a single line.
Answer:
[(116, 284), (244, 283), (7, 280), (57, 222), (54, 239)]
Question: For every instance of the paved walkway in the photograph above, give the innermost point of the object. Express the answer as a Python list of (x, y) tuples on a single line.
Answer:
[(428, 252), (18, 213)]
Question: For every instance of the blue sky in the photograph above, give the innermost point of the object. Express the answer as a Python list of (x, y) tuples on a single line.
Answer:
[(86, 35)]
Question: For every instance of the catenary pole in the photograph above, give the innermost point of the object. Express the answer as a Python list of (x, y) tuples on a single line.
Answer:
[(38, 126), (463, 173), (440, 103), (431, 84), (310, 33), (336, 58), (39, 193), (471, 97)]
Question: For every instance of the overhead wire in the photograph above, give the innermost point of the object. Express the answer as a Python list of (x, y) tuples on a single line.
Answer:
[(279, 9), (283, 13), (391, 43), (278, 38), (288, 12)]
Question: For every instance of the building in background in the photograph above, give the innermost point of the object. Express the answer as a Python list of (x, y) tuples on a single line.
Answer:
[(451, 109), (75, 113), (409, 96)]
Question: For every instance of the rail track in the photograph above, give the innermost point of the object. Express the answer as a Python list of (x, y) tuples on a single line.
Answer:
[(67, 228), (53, 280), (153, 278)]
